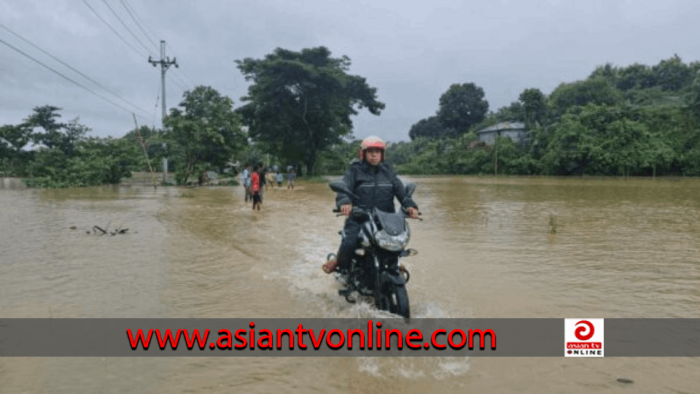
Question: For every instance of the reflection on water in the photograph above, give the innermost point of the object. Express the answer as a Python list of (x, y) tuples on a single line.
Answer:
[(507, 247)]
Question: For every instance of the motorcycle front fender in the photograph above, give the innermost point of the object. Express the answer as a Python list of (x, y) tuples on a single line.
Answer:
[(393, 277)]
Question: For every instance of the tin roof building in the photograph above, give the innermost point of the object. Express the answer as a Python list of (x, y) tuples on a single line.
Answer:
[(516, 131)]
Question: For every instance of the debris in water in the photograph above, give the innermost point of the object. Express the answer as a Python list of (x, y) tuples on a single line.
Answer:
[(625, 380), (73, 227), (118, 230), (552, 224)]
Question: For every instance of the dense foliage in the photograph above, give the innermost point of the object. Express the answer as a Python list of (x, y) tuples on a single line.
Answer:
[(203, 133), (461, 107), (636, 120), (620, 121), (63, 156)]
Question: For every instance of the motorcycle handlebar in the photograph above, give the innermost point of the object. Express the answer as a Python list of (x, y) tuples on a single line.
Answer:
[(339, 212), (356, 210)]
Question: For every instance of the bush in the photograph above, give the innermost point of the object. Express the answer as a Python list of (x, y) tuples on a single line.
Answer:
[(96, 161)]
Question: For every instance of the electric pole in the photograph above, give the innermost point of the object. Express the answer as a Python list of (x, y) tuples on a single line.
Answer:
[(165, 63)]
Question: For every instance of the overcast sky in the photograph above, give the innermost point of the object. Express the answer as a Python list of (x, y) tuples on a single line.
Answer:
[(411, 51)]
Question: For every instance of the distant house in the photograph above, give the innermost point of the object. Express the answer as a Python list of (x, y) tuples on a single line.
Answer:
[(516, 131)]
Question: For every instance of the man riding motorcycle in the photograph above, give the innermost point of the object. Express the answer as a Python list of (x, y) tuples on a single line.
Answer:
[(376, 185)]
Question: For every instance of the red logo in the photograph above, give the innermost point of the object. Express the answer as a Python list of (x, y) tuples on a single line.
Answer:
[(579, 331), (577, 336)]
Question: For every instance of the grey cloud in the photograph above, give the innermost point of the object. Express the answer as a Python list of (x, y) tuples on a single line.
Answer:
[(410, 51)]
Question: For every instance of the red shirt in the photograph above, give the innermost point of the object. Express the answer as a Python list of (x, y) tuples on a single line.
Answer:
[(255, 182)]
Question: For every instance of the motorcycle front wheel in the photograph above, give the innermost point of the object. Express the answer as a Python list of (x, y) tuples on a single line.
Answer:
[(394, 298)]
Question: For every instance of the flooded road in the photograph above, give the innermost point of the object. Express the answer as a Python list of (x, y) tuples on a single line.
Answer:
[(489, 248)]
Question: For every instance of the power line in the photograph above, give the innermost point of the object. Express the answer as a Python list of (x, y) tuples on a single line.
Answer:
[(155, 109), (180, 82), (147, 27), (72, 68), (111, 28), (138, 24), (181, 78), (125, 26), (177, 82), (182, 71), (70, 80), (185, 79), (126, 42)]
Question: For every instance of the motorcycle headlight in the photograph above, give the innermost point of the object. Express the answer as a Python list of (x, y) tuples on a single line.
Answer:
[(393, 243)]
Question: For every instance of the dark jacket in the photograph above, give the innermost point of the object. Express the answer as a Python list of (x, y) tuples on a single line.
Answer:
[(376, 187)]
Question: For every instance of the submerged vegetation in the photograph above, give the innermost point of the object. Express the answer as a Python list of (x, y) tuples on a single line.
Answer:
[(636, 120), (63, 156)]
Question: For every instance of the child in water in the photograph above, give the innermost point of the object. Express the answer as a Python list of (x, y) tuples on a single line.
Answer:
[(255, 188)]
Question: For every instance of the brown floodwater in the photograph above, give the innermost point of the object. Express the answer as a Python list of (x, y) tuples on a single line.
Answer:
[(489, 248)]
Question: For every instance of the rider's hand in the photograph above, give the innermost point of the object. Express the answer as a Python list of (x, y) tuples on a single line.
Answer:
[(345, 209), (413, 213)]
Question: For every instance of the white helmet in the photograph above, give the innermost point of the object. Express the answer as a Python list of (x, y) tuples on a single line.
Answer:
[(371, 142)]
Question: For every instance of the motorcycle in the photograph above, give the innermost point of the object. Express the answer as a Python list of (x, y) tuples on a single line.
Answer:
[(375, 270)]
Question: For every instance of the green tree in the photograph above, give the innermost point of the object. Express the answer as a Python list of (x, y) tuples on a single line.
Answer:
[(570, 147), (153, 139), (96, 161), (607, 71), (46, 117), (404, 152), (204, 132), (106, 160), (73, 133), (430, 127), (301, 102), (534, 106), (607, 141), (672, 74), (63, 136), (635, 76), (504, 154), (335, 159), (512, 113), (13, 140), (596, 90), (693, 99), (462, 106)]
